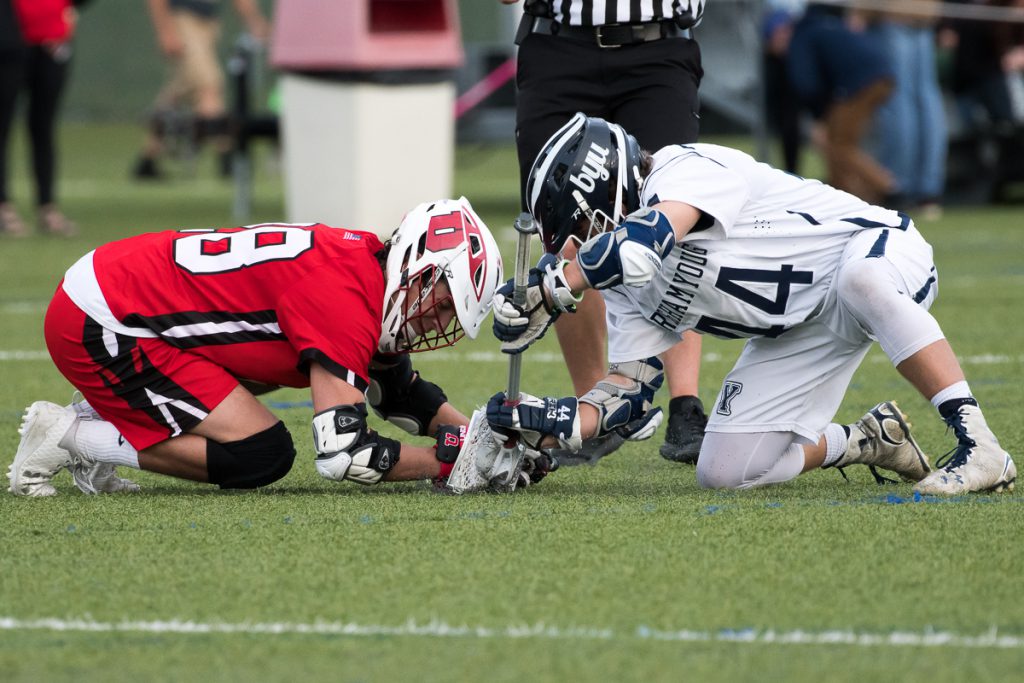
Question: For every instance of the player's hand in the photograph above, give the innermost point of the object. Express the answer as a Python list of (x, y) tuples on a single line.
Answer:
[(643, 427), (532, 419), (631, 254), (536, 466), (547, 297)]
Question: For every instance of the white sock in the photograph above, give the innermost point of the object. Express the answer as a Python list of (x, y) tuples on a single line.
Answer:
[(100, 441), (957, 390), (836, 440)]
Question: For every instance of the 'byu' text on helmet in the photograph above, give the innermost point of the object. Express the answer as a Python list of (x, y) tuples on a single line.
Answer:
[(587, 171), (442, 239)]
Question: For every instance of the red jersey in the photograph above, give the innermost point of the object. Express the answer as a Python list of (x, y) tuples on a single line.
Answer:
[(260, 301)]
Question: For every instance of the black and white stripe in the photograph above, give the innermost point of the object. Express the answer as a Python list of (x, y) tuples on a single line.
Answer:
[(192, 329), (600, 12)]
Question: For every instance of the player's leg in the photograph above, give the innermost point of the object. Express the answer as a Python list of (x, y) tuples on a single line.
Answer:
[(202, 64), (149, 406), (741, 461), (889, 295), (793, 385)]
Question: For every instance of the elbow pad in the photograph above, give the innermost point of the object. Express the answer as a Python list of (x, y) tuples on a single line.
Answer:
[(399, 395), (618, 405), (347, 449), (632, 254)]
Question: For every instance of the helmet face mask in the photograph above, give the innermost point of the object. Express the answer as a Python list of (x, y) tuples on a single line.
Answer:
[(441, 273), (585, 179)]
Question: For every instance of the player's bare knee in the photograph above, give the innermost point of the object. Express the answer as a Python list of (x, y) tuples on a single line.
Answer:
[(258, 460)]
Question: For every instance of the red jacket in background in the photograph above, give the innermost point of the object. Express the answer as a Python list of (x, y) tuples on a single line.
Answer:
[(45, 21)]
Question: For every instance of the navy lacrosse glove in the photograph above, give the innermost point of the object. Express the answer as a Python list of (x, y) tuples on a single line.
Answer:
[(519, 327), (532, 418), (631, 254)]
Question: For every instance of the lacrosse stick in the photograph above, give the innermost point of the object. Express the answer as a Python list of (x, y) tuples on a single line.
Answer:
[(484, 462), (525, 227)]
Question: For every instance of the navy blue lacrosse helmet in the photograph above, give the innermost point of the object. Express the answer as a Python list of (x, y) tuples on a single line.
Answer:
[(585, 179)]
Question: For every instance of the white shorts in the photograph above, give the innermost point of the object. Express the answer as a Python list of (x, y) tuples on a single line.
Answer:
[(797, 381)]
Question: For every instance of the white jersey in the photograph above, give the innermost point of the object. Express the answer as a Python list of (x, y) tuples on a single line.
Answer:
[(759, 262)]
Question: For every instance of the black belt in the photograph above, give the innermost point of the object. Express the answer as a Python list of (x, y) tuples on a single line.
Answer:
[(609, 35)]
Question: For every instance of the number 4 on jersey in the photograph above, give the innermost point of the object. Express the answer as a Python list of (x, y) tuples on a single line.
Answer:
[(729, 279)]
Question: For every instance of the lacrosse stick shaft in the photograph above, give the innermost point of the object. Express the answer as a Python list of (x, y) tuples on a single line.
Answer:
[(524, 228)]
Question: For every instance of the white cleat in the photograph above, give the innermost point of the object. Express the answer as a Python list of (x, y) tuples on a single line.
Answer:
[(882, 439), (40, 456), (99, 477), (93, 477), (978, 463)]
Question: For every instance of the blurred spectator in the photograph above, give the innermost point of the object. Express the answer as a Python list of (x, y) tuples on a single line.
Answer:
[(985, 54), (782, 104), (35, 53), (911, 124), (842, 77), (187, 32)]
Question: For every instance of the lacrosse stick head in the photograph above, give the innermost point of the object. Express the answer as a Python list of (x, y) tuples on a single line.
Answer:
[(483, 464)]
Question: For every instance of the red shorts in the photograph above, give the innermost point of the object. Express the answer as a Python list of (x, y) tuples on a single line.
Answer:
[(145, 387)]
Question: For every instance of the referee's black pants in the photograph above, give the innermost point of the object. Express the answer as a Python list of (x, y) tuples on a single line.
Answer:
[(648, 88)]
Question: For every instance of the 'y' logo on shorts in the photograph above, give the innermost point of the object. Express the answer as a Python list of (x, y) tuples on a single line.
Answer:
[(730, 390)]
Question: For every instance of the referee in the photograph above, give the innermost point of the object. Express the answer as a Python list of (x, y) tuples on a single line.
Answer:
[(635, 64)]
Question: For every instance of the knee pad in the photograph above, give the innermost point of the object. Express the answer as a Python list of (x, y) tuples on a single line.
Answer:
[(256, 461)]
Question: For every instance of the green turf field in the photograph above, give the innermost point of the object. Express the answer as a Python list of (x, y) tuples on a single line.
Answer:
[(626, 571)]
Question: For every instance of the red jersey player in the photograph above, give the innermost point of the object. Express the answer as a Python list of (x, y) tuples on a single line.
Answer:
[(166, 335)]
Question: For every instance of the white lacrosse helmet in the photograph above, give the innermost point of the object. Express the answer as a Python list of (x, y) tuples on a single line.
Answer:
[(441, 239)]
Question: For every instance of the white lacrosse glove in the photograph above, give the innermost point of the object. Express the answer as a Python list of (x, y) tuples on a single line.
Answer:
[(547, 297)]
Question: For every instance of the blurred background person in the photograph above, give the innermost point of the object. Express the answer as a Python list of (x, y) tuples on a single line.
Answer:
[(187, 32), (35, 54), (984, 54), (842, 77), (910, 126), (782, 104)]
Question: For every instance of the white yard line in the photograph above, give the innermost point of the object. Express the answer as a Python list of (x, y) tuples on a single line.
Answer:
[(435, 628)]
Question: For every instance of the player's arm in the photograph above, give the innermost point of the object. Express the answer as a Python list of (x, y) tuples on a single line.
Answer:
[(400, 395), (346, 447), (631, 254), (621, 402)]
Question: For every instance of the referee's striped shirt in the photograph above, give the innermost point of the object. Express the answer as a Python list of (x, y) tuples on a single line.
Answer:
[(601, 12)]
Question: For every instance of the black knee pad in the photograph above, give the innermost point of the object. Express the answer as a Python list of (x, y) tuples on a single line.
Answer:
[(256, 461)]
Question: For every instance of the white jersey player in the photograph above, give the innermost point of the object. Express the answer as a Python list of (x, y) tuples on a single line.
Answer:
[(732, 247)]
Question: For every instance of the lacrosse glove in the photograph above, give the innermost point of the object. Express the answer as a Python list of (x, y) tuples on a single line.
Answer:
[(547, 297), (532, 418)]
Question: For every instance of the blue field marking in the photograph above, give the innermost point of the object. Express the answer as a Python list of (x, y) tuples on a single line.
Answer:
[(283, 405)]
